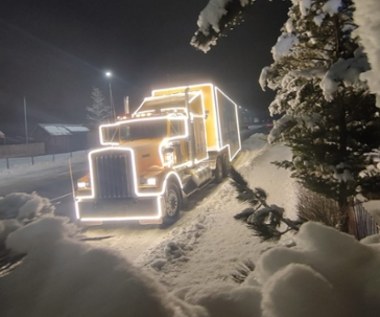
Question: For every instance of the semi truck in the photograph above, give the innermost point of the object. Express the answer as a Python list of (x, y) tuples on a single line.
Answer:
[(177, 141)]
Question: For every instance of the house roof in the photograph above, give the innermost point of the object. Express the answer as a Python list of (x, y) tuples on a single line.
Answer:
[(63, 129)]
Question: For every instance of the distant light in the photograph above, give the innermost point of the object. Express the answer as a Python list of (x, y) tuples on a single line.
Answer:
[(108, 74)]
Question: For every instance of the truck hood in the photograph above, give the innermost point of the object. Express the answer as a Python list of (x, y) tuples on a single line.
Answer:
[(147, 154)]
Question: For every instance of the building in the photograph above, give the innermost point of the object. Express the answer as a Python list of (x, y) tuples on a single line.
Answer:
[(59, 138)]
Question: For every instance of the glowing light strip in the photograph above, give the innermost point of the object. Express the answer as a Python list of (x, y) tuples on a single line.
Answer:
[(154, 91), (166, 141), (198, 88), (196, 94), (237, 122), (174, 109), (157, 194), (146, 111), (153, 98)]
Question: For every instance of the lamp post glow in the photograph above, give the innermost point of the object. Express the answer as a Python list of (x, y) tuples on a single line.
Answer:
[(109, 76)]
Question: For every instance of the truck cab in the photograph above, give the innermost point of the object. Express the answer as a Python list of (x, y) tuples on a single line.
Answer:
[(174, 143)]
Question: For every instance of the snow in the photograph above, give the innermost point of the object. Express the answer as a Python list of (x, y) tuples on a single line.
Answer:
[(331, 7), (304, 5), (284, 45), (324, 262), (367, 17), (318, 19), (211, 14), (209, 19), (77, 128), (63, 129), (63, 277), (346, 71), (189, 271), (18, 208)]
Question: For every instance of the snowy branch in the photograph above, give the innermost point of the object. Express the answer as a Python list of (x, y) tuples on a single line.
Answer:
[(217, 17)]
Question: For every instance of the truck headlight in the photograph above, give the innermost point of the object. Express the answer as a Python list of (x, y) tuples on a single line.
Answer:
[(152, 181), (83, 185)]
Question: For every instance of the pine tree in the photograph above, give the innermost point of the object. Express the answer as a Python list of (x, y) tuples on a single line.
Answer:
[(98, 112), (327, 115)]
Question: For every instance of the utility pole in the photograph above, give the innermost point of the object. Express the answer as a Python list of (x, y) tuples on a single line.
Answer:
[(109, 76), (26, 123)]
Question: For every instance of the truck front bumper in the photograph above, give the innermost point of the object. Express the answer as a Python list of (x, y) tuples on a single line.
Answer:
[(143, 209)]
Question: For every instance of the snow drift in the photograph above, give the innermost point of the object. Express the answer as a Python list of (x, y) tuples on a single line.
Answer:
[(61, 276), (17, 209), (327, 274)]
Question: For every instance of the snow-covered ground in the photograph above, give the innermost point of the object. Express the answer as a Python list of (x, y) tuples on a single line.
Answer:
[(188, 271)]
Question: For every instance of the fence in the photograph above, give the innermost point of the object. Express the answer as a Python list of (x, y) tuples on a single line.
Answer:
[(22, 150), (17, 162), (365, 223)]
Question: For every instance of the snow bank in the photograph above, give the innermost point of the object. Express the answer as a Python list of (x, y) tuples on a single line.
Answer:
[(17, 209), (327, 274), (61, 276), (331, 273), (367, 17)]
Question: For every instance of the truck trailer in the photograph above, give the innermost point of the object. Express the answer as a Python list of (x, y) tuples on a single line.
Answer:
[(176, 142)]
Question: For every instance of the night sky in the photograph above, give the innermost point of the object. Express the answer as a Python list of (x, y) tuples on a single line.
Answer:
[(53, 52)]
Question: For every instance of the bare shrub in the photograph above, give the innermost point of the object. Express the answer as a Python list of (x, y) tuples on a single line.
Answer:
[(315, 207)]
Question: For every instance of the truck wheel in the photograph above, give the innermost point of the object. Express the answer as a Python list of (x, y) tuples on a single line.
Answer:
[(218, 173), (171, 203)]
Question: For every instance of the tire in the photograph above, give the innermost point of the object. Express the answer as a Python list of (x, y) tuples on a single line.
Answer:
[(171, 203), (218, 173)]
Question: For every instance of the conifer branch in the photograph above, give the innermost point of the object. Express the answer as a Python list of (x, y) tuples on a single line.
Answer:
[(264, 219)]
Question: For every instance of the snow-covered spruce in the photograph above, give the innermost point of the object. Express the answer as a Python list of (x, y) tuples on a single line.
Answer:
[(328, 115), (99, 111)]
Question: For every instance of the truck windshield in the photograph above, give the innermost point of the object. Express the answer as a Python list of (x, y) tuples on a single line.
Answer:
[(135, 131), (152, 129)]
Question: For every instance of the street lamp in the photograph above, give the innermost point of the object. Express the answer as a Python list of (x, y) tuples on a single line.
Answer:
[(109, 76)]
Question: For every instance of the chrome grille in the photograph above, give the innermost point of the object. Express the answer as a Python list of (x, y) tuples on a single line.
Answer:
[(112, 175)]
